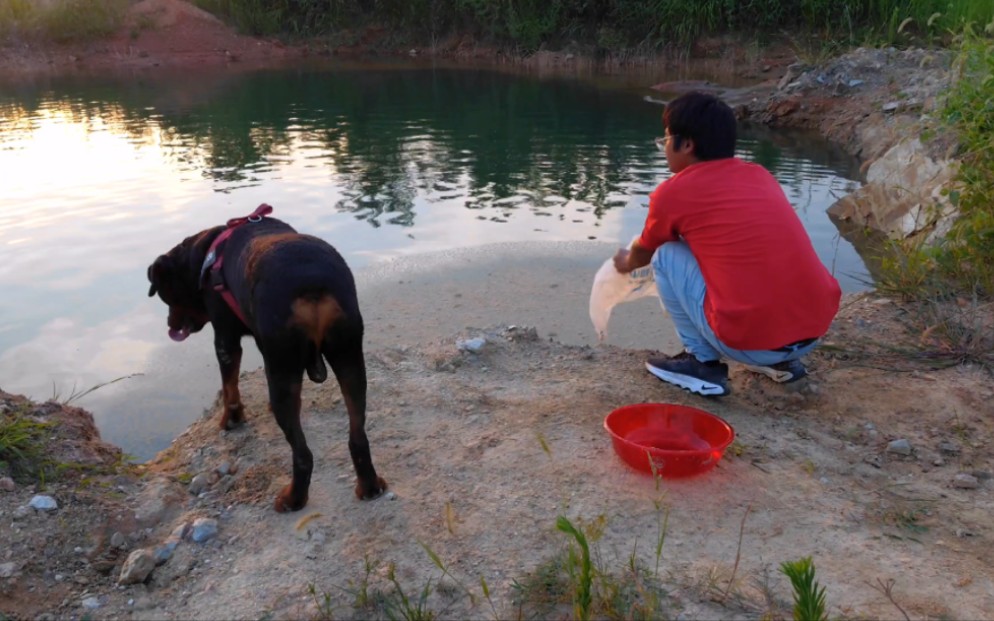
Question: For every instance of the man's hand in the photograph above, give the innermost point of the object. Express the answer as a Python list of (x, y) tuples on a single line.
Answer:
[(628, 259), (621, 260)]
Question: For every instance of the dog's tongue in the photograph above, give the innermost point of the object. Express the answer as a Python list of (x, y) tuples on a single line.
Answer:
[(179, 335)]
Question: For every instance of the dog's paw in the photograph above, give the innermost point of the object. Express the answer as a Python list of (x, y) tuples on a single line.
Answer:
[(370, 492), (285, 501), (232, 417)]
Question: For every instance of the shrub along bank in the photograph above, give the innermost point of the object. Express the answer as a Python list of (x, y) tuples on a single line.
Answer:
[(612, 25)]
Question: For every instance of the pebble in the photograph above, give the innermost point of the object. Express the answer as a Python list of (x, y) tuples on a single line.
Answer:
[(900, 446), (949, 448), (117, 540), (472, 345), (91, 603), (165, 551), (965, 481), (7, 484), (43, 503), (199, 484), (136, 569), (7, 570), (203, 529)]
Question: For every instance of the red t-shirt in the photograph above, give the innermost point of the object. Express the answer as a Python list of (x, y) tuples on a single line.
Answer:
[(766, 287)]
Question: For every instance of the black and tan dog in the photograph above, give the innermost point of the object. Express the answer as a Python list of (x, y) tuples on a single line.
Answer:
[(296, 296)]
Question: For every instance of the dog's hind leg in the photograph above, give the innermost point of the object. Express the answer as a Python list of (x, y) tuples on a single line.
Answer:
[(284, 398), (229, 358), (347, 363)]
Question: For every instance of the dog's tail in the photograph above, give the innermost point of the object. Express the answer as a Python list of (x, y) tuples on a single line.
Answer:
[(313, 314)]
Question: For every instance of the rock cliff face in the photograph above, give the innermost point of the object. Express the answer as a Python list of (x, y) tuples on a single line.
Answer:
[(880, 105), (905, 193)]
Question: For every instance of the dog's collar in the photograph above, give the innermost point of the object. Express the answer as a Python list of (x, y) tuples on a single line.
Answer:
[(215, 258)]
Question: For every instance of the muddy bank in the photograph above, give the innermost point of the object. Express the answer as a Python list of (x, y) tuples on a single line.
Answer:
[(879, 466)]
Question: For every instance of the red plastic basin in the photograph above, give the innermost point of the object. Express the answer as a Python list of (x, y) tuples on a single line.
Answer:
[(674, 440)]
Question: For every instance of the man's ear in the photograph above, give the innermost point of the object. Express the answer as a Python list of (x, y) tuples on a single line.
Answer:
[(157, 272)]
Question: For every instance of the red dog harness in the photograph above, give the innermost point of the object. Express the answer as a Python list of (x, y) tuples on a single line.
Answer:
[(215, 259)]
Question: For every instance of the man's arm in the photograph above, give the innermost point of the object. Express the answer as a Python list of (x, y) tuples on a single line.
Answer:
[(628, 259)]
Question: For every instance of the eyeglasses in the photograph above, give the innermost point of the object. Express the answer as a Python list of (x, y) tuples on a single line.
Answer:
[(661, 141)]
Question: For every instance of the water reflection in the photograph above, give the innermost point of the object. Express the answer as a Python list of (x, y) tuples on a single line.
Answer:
[(101, 175)]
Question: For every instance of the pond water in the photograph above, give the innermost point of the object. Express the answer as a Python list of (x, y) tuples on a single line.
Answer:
[(100, 175)]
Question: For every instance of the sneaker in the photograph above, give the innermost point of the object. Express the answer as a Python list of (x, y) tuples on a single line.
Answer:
[(783, 372), (709, 379)]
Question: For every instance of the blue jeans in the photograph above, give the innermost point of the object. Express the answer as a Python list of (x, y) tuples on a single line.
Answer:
[(681, 289)]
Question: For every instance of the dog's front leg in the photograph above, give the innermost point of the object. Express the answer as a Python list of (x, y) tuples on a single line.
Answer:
[(284, 398), (229, 357)]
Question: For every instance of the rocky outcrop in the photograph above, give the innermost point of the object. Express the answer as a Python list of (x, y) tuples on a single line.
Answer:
[(878, 104), (905, 194)]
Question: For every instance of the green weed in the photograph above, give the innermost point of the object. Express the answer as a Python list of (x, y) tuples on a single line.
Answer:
[(22, 446), (61, 20), (809, 597), (322, 602), (580, 568), (400, 606), (76, 395)]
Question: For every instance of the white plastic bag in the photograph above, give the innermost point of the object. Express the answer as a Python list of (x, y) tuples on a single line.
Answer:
[(611, 288)]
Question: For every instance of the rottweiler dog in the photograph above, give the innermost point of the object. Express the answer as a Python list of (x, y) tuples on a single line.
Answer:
[(295, 295)]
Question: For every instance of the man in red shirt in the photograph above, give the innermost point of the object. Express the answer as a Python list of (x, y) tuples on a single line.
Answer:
[(733, 264)]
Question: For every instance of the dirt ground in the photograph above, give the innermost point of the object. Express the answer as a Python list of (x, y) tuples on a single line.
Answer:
[(878, 466)]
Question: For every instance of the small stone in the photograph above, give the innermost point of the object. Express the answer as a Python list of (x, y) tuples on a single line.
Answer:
[(91, 603), (949, 448), (7, 484), (136, 569), (7, 570), (226, 483), (938, 461), (891, 106), (21, 512), (165, 551), (900, 447), (203, 529), (224, 469), (965, 481), (199, 484), (181, 531), (117, 540), (472, 345), (43, 503)]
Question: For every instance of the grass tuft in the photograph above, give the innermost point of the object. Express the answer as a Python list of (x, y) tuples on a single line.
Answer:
[(22, 448)]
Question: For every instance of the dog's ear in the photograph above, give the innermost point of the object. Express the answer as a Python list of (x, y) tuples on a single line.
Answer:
[(157, 272)]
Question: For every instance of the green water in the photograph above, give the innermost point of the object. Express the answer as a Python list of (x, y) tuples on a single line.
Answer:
[(100, 175)]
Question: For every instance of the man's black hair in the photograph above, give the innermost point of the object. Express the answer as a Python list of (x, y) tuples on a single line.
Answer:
[(706, 120)]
